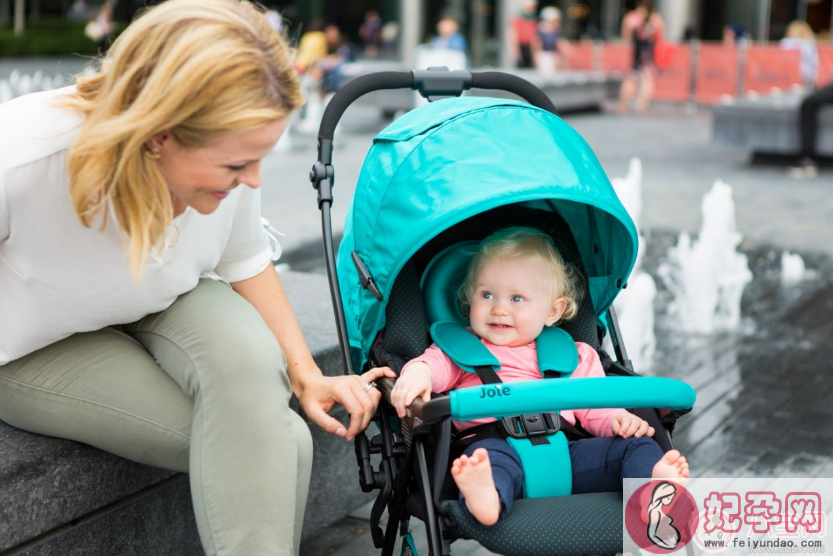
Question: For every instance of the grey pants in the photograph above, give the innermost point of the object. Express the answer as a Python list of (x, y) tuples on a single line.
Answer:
[(200, 387)]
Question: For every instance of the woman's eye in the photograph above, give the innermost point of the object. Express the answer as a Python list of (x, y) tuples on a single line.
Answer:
[(517, 298), (236, 168)]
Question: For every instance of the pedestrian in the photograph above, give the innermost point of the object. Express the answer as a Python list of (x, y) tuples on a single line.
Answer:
[(644, 28), (555, 49), (119, 197), (370, 33), (523, 34), (448, 35)]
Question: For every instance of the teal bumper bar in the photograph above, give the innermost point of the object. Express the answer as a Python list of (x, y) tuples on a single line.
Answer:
[(538, 396)]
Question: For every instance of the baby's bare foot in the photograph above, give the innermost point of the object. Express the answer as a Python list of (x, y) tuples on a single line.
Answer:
[(473, 476), (671, 466)]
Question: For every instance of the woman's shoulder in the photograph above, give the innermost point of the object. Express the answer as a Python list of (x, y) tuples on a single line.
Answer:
[(35, 126)]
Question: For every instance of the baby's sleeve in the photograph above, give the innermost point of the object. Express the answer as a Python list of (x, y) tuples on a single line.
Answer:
[(444, 373), (595, 421), (250, 247)]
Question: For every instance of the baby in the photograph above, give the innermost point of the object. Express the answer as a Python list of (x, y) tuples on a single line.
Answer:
[(516, 285)]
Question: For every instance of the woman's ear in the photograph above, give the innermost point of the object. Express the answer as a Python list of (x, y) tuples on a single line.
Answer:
[(158, 140), (558, 308)]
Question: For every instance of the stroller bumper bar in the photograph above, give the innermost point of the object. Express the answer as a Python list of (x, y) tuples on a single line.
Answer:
[(536, 396)]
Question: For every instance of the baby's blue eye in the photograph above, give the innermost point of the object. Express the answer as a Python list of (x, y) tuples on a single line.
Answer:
[(487, 295), (517, 298)]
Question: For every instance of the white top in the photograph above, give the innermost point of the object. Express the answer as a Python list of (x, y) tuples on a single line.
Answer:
[(58, 277)]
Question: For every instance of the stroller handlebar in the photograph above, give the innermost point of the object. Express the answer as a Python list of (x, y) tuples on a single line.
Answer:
[(535, 396), (431, 83)]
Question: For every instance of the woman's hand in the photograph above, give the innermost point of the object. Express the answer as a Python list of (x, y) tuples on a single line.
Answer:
[(317, 394), (413, 384), (628, 424)]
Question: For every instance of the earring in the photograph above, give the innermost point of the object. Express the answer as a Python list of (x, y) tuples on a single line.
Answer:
[(153, 153)]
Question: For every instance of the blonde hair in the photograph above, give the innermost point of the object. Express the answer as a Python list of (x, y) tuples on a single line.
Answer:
[(800, 29), (199, 68), (522, 243)]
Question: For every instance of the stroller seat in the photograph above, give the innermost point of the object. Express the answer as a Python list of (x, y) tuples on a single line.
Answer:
[(544, 524)]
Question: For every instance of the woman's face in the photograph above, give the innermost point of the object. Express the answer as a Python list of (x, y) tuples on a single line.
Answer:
[(201, 177)]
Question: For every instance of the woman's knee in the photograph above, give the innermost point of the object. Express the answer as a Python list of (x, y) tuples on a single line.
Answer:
[(303, 440)]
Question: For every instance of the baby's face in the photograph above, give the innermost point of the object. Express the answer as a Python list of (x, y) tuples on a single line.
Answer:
[(512, 302)]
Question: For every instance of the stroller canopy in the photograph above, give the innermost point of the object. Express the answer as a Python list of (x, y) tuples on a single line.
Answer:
[(454, 158)]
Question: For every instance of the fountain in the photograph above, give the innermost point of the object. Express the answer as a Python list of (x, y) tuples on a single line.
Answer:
[(635, 304), (793, 269), (707, 276)]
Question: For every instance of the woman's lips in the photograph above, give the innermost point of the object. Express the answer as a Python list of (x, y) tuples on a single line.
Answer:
[(220, 194)]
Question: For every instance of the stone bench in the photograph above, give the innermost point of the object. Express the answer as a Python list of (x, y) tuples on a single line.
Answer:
[(65, 498), (768, 125)]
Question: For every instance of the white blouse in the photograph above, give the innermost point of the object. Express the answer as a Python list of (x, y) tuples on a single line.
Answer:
[(58, 278)]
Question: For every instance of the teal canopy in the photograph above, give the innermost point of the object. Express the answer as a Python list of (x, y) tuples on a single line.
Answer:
[(454, 158)]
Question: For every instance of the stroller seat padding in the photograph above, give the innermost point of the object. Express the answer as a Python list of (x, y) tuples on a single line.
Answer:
[(462, 347), (441, 281), (567, 525)]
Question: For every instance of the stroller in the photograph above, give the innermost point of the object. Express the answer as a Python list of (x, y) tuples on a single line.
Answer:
[(434, 183)]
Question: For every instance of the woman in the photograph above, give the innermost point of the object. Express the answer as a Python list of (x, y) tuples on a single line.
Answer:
[(644, 28), (116, 197)]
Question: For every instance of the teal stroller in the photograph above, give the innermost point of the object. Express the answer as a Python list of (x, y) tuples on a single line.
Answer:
[(434, 183)]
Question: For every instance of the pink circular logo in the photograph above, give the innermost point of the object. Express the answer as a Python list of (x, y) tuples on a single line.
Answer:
[(661, 516)]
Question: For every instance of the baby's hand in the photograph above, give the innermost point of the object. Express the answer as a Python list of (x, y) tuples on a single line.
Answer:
[(628, 424), (415, 383)]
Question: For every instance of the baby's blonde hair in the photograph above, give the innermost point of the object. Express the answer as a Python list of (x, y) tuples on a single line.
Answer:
[(199, 68), (522, 243)]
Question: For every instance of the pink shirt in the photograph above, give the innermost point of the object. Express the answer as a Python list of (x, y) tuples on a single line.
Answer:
[(518, 363)]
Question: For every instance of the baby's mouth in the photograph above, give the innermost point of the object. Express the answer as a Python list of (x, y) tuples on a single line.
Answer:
[(499, 326)]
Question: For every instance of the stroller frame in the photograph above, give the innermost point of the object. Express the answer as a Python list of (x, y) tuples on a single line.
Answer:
[(405, 456)]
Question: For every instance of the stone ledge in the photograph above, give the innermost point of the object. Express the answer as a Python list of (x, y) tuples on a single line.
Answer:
[(769, 124), (48, 484)]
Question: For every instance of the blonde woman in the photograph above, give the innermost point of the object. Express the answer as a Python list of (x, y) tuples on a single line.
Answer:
[(116, 196)]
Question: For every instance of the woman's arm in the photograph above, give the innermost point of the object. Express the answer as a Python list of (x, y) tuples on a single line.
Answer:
[(316, 393)]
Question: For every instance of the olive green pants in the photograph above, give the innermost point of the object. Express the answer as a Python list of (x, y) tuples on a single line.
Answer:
[(200, 387)]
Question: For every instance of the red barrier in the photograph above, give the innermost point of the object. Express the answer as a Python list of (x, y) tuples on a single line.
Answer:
[(825, 75), (581, 56), (617, 58), (674, 82), (769, 67), (717, 73)]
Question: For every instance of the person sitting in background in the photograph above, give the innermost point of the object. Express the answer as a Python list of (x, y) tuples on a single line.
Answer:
[(328, 69), (312, 47), (800, 37), (808, 130), (555, 49), (448, 34), (371, 33)]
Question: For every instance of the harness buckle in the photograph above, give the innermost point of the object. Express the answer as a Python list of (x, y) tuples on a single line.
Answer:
[(531, 424)]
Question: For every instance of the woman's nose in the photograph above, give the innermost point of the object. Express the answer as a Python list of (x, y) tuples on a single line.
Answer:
[(251, 175)]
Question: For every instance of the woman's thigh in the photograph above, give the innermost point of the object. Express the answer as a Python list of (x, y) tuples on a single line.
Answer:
[(104, 389)]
